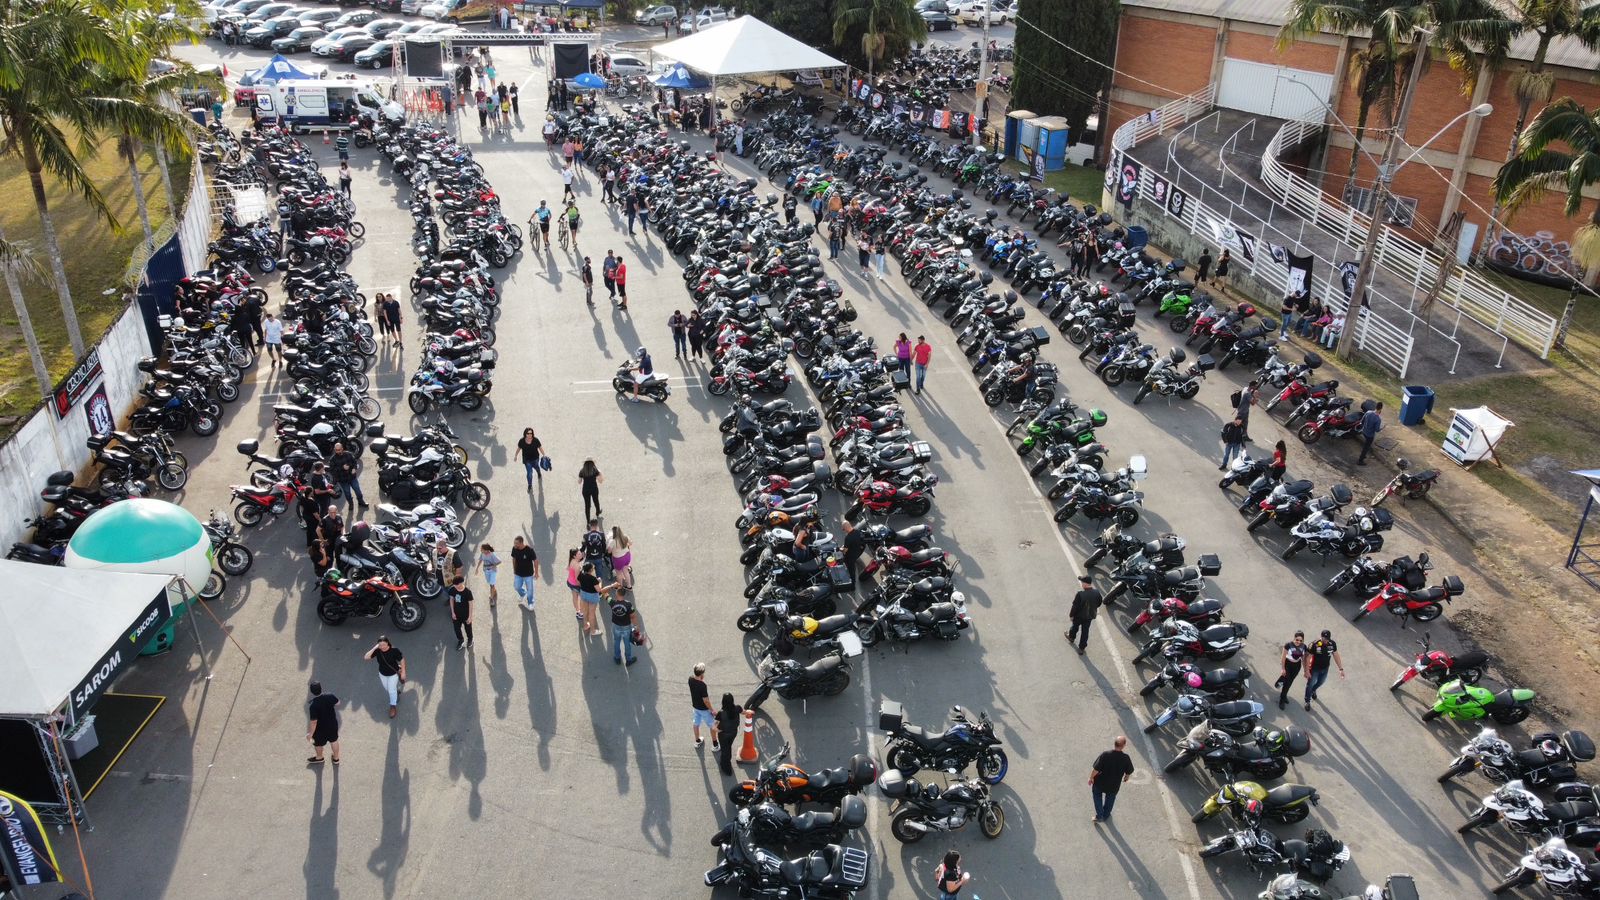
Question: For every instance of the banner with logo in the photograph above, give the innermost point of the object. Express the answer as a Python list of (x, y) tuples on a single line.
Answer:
[(108, 667), (1159, 187), (76, 385), (1128, 182), (1177, 203), (28, 855), (1300, 274), (1112, 168), (98, 411)]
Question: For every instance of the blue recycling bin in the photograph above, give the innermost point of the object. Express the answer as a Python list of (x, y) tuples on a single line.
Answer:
[(1137, 237), (1416, 401)]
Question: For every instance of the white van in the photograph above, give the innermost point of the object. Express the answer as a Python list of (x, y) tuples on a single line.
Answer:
[(321, 104)]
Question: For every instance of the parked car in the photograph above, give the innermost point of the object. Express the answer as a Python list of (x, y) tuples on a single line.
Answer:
[(411, 7), (299, 40), (319, 17), (407, 28), (262, 13), (380, 55), (358, 17), (705, 18), (333, 37), (628, 66), (936, 15), (975, 11), (346, 48), (382, 28), (656, 15), (265, 33), (437, 9), (385, 5)]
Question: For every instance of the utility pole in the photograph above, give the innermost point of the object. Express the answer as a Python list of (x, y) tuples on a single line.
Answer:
[(981, 95), (1380, 200)]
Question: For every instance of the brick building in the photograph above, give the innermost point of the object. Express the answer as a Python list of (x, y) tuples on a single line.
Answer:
[(1171, 48)]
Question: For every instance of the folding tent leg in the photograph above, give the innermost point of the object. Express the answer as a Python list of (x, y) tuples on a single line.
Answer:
[(195, 627)]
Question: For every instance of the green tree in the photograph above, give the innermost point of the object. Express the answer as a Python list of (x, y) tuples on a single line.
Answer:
[(876, 30), (51, 54), (1063, 58), (807, 21), (15, 262), (1559, 151), (1464, 32)]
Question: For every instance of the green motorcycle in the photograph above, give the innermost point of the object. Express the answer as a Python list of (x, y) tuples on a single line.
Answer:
[(1074, 432), (1176, 302), (1465, 702)]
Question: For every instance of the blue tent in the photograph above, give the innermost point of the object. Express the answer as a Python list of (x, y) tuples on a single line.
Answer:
[(681, 78), (277, 69)]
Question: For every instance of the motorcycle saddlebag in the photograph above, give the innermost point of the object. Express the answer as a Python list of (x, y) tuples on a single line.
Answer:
[(1205, 363), (1210, 565), (890, 716), (375, 430), (893, 784), (248, 447), (1373, 542), (1578, 745), (839, 577)]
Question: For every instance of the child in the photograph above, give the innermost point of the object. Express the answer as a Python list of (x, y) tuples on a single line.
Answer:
[(490, 564)]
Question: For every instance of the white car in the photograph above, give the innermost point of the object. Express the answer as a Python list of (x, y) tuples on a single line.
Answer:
[(654, 16), (437, 9), (705, 18), (973, 12), (628, 66)]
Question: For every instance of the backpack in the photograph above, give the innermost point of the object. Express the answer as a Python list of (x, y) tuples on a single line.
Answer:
[(594, 544), (1234, 398)]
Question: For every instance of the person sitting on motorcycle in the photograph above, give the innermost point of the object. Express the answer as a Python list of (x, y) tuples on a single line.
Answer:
[(1021, 373), (641, 370)]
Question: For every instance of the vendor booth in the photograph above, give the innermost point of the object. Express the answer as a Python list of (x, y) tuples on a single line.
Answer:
[(744, 46), (65, 636)]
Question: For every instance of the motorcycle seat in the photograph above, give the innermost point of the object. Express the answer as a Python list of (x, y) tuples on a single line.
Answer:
[(1205, 607), (929, 586), (1571, 810), (1179, 576), (1433, 594), (806, 870), (823, 666), (913, 533), (812, 821), (1532, 758), (1122, 499), (923, 556), (1236, 709), (1221, 676), (938, 612), (1285, 794), (1298, 488), (1502, 698), (1219, 634)]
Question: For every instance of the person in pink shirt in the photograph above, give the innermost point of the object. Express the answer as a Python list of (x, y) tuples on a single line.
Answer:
[(902, 353), (920, 354)]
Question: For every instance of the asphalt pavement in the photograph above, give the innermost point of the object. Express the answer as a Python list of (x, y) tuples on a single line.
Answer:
[(532, 765)]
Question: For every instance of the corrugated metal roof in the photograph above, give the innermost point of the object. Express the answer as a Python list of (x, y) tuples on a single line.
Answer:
[(1563, 51)]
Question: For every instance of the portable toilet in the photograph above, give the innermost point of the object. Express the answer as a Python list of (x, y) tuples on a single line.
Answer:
[(1051, 142), (1014, 120)]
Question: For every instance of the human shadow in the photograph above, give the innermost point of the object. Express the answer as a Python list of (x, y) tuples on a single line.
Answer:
[(540, 689), (322, 837), (394, 838), (458, 724)]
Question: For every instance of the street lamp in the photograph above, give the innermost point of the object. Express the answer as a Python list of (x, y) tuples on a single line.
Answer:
[(1380, 196)]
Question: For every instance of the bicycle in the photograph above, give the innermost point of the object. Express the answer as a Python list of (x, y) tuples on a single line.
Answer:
[(563, 232)]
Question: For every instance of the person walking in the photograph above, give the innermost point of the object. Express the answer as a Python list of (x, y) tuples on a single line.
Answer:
[(1111, 771), (608, 185), (678, 323), (524, 569), (835, 237), (347, 472), (1223, 265), (460, 599), (902, 354), (880, 263), (589, 592), (451, 565), (567, 174), (727, 731), (541, 217), (1371, 424), (1322, 655), (593, 543), (704, 713), (1232, 442), (624, 618), (697, 335), (589, 474), (1280, 460), (391, 669), (1085, 606), (1290, 304), (344, 176), (863, 253), (574, 569), (272, 339), (644, 217), (608, 269), (921, 354), (620, 276), (531, 451), (1241, 410), (574, 219), (630, 208), (488, 562), (586, 275), (1202, 267), (323, 728), (391, 312), (620, 550), (1290, 662), (949, 878), (855, 544)]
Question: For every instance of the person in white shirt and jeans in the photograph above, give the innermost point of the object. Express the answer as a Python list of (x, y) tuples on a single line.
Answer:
[(272, 337)]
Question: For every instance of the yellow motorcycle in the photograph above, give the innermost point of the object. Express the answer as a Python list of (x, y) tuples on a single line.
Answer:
[(1285, 803)]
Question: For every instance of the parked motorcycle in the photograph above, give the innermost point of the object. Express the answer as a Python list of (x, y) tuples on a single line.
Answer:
[(1439, 666), (1284, 803), (1548, 761), (1574, 815), (343, 599), (909, 748), (919, 809), (1467, 702), (1267, 755), (826, 677), (787, 784)]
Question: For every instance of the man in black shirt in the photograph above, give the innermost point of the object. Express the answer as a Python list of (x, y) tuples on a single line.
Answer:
[(347, 472), (323, 729), (524, 569), (1294, 655), (594, 549), (391, 669), (1111, 769), (623, 619), (700, 702), (1085, 606), (855, 543), (333, 530), (1319, 655), (460, 599)]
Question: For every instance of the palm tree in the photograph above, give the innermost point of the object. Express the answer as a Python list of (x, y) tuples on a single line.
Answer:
[(53, 54), (1464, 32), (1548, 20), (885, 25), (16, 261), (1541, 166)]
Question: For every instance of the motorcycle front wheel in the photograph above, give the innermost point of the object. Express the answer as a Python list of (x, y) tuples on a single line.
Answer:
[(992, 820), (1487, 817), (477, 496), (408, 614), (1430, 715), (901, 829), (235, 559), (248, 514), (1519, 878), (1308, 434), (750, 621), (172, 476), (1460, 768), (215, 584), (992, 765)]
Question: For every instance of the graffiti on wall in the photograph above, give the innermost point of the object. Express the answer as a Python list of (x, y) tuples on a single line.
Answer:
[(1538, 255)]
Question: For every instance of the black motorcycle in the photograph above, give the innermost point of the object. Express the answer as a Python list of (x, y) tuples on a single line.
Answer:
[(920, 809), (1267, 755), (1315, 858), (831, 873), (826, 677), (909, 748), (771, 823)]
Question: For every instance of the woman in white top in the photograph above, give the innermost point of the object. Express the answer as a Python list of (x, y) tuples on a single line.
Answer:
[(489, 562)]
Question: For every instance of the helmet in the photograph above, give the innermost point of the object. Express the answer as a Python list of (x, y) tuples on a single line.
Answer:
[(639, 351), (804, 628), (1551, 748), (987, 278), (711, 155), (1097, 417), (1193, 679), (1011, 296), (992, 214), (1252, 807), (808, 230), (1273, 740), (1177, 355), (1189, 704), (333, 574)]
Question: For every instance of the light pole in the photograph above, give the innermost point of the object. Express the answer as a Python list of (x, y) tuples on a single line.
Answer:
[(981, 95)]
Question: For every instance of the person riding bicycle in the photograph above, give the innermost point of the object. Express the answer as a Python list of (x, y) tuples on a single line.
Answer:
[(542, 216), (642, 368)]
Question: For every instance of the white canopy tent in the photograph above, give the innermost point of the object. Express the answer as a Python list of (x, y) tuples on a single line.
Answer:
[(743, 46), (59, 627)]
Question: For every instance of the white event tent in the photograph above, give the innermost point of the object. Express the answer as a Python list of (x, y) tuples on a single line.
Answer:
[(744, 46)]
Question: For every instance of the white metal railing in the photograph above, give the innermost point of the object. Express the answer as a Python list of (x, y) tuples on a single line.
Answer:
[(1163, 118), (1406, 260)]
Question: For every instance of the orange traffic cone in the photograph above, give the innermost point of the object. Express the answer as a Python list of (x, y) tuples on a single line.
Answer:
[(324, 137), (747, 753)]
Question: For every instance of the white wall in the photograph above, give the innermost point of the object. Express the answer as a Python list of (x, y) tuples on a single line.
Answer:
[(194, 232)]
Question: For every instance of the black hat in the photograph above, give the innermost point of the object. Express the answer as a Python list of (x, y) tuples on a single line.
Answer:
[(1327, 634), (1086, 578)]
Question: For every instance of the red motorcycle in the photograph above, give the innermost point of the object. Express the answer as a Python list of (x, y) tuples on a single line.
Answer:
[(255, 503), (1297, 391), (1424, 605), (1413, 487), (1200, 613), (883, 498), (931, 561), (1337, 422), (1440, 667)]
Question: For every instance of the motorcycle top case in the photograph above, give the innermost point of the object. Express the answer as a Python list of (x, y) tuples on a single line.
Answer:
[(249, 446), (1578, 745), (1206, 362), (891, 716), (97, 442), (921, 451), (375, 429), (1039, 336), (60, 479), (893, 784), (1138, 467), (1210, 565)]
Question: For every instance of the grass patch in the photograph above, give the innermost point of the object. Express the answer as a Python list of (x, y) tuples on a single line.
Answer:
[(95, 258), (1080, 183)]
